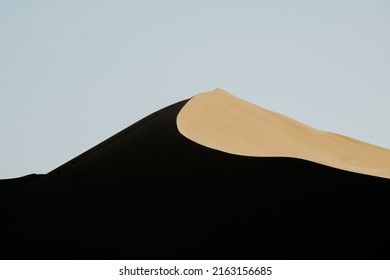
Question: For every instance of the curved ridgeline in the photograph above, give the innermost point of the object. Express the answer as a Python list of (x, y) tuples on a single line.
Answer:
[(151, 193)]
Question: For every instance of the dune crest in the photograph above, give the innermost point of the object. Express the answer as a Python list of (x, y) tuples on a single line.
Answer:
[(221, 121)]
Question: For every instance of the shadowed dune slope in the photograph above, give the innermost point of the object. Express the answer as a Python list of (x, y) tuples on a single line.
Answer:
[(149, 192), (9, 184)]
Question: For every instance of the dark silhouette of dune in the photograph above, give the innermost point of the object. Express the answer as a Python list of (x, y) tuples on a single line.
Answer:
[(9, 184), (149, 192)]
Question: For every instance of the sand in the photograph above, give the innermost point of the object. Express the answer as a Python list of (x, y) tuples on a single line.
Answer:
[(221, 121), (149, 192)]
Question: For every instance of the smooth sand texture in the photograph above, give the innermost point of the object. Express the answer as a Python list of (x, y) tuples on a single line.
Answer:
[(149, 192), (224, 122)]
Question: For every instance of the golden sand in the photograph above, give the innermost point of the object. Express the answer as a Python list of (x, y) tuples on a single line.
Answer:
[(224, 122)]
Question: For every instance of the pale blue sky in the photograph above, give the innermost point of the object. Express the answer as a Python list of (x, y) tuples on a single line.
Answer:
[(73, 73)]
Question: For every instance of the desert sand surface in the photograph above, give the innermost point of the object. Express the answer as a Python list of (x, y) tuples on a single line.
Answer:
[(151, 191), (221, 121)]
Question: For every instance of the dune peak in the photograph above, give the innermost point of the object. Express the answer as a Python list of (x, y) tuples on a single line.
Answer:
[(219, 120)]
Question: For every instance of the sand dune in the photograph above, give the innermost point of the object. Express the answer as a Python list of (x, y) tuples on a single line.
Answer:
[(221, 121), (209, 177)]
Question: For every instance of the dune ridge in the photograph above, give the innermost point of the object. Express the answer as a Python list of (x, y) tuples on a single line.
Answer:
[(149, 192), (221, 121)]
